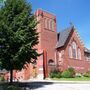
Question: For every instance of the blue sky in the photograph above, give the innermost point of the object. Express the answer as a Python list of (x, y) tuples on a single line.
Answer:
[(66, 11)]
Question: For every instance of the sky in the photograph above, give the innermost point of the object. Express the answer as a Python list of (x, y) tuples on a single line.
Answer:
[(76, 12)]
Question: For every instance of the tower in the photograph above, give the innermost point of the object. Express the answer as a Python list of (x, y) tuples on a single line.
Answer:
[(47, 37)]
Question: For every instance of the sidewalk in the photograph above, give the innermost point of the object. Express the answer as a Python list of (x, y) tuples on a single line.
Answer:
[(56, 81)]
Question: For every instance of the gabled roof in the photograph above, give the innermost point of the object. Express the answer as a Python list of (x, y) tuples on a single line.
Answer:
[(87, 50), (3, 71), (63, 36)]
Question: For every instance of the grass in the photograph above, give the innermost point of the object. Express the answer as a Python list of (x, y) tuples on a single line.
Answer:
[(73, 79)]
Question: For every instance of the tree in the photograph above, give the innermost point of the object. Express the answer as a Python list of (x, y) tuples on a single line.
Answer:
[(18, 35)]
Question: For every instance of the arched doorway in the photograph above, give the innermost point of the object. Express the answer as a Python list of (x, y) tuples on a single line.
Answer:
[(51, 65)]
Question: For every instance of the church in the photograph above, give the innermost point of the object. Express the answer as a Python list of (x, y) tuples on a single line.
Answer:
[(58, 50)]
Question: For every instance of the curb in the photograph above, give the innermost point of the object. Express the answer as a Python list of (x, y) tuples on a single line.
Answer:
[(58, 82)]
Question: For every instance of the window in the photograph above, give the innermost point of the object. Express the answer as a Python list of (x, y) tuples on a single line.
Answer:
[(74, 50), (50, 62), (79, 54), (60, 56), (45, 21), (60, 59), (55, 57), (52, 25), (70, 52)]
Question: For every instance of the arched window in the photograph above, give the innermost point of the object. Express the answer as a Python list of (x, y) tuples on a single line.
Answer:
[(60, 59), (70, 52), (50, 62), (60, 56), (49, 24), (79, 54), (45, 22), (52, 25), (74, 50)]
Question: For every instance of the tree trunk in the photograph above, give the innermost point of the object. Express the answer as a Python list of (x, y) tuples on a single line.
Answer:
[(11, 76)]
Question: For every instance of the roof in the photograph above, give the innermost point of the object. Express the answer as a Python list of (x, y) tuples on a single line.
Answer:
[(63, 36), (3, 71), (87, 50)]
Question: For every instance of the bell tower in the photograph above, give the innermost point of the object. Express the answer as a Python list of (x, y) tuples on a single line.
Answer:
[(47, 34)]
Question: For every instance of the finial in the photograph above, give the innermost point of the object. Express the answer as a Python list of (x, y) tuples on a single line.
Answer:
[(72, 25)]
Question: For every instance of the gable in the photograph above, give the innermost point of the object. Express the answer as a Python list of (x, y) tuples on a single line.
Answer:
[(76, 38), (66, 35), (77, 47)]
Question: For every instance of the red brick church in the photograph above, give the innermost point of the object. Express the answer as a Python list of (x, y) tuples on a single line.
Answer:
[(59, 50)]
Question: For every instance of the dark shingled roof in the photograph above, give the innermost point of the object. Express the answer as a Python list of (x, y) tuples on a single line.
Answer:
[(87, 50), (3, 71), (63, 36)]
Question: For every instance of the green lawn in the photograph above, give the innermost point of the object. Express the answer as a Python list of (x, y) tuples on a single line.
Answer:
[(73, 79)]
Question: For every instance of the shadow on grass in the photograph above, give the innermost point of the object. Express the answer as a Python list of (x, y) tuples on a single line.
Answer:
[(25, 85)]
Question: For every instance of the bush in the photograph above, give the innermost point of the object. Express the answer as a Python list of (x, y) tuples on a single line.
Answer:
[(87, 74), (2, 78), (71, 69), (66, 74), (55, 74), (70, 73)]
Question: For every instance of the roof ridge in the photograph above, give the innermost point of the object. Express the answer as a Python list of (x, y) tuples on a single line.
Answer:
[(71, 27)]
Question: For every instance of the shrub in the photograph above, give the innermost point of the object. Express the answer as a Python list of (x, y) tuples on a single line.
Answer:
[(70, 73), (2, 78), (66, 74), (87, 74), (55, 74), (71, 69)]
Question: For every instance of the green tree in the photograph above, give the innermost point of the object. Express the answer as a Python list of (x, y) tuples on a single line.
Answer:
[(18, 35)]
